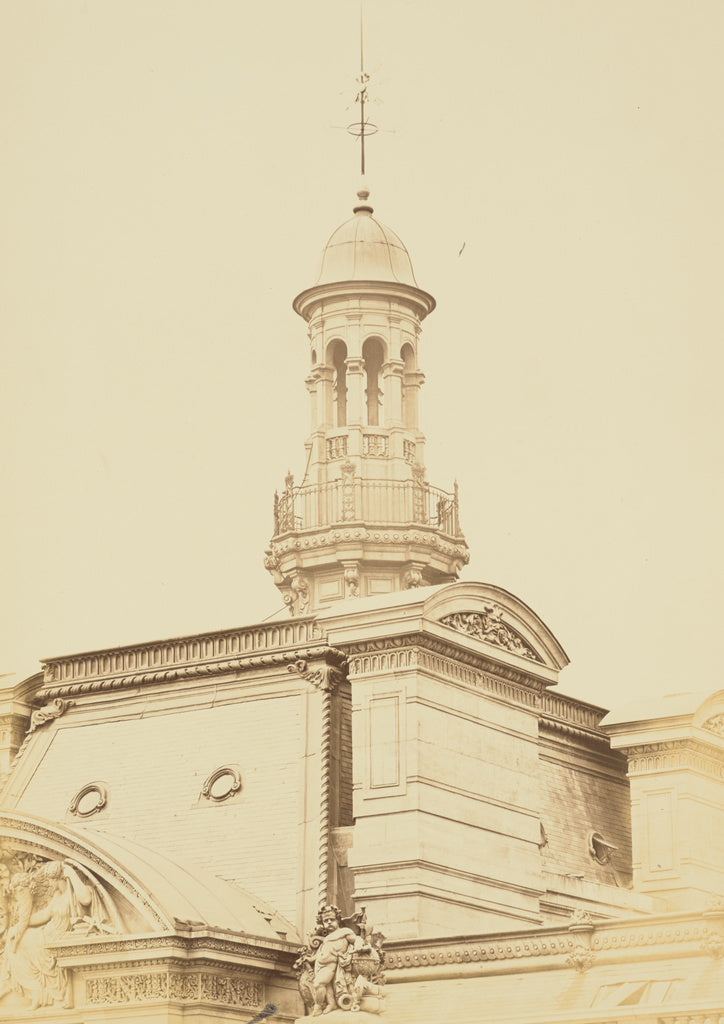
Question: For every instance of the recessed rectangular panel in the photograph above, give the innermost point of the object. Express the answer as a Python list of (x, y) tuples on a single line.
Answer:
[(330, 589), (660, 831), (379, 585), (384, 724)]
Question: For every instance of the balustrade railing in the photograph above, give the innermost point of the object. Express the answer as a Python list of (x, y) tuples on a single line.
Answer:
[(352, 499)]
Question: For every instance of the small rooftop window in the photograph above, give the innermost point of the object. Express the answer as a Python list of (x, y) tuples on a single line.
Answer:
[(89, 800), (222, 783), (599, 848)]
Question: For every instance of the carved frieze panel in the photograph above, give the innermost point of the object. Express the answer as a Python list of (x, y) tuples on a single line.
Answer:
[(670, 754), (488, 626), (149, 986), (392, 653)]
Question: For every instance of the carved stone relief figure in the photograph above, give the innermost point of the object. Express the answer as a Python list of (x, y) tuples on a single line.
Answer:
[(341, 965), (41, 900)]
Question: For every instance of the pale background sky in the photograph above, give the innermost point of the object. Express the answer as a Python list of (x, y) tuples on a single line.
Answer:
[(170, 174)]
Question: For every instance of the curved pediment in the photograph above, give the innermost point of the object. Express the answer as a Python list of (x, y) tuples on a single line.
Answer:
[(710, 717), (498, 619)]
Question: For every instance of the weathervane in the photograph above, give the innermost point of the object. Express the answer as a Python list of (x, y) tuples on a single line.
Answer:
[(362, 129)]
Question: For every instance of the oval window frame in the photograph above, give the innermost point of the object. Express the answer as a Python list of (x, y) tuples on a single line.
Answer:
[(225, 769), (92, 787)]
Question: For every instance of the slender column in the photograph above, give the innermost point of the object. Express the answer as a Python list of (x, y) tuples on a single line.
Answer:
[(411, 383), (355, 389), (324, 376), (392, 376)]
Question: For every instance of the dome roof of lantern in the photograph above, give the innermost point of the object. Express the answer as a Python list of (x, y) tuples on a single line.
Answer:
[(363, 249)]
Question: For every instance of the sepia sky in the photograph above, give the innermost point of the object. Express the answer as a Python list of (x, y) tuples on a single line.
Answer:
[(171, 171)]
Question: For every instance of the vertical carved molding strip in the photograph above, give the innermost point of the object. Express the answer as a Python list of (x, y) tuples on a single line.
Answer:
[(325, 773), (348, 502), (325, 678)]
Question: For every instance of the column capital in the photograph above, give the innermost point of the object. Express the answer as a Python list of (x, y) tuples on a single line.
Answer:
[(414, 378)]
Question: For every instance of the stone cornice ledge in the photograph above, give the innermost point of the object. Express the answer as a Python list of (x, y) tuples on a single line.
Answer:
[(670, 935), (199, 946), (383, 654), (193, 671), (159, 655)]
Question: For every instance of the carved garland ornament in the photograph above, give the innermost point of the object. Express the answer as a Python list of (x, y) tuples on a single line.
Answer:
[(488, 626)]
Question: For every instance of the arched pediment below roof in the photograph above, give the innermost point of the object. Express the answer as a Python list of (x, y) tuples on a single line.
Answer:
[(498, 619), (710, 716), (104, 884)]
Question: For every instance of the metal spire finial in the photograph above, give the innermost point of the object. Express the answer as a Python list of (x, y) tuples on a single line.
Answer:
[(362, 129)]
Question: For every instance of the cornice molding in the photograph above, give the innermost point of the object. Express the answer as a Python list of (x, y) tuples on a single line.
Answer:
[(357, 532), (444, 658), (578, 945), (158, 656), (200, 670), (670, 755), (171, 947)]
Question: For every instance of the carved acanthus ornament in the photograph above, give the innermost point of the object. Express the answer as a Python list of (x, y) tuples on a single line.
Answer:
[(341, 966), (488, 626), (41, 902), (48, 713), (323, 677), (40, 717)]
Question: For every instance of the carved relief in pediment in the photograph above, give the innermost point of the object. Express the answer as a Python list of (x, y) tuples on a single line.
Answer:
[(715, 724), (42, 900), (488, 625)]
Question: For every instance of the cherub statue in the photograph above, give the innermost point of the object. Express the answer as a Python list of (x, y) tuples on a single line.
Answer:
[(340, 964)]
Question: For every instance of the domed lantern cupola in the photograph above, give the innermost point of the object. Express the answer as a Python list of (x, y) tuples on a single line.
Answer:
[(363, 520)]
